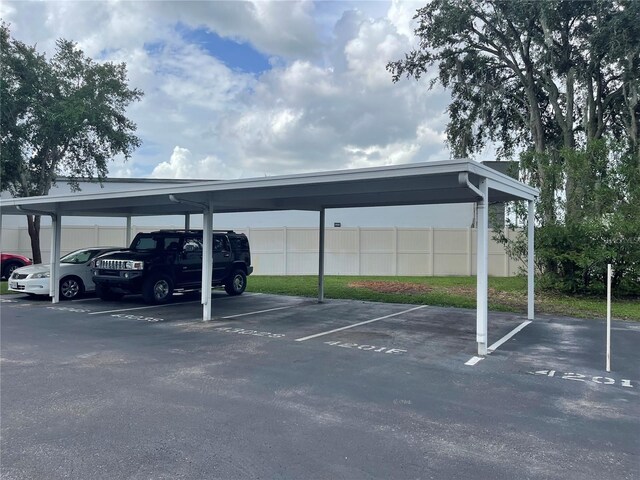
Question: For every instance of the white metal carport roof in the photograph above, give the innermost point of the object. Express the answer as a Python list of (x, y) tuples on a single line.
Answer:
[(453, 181)]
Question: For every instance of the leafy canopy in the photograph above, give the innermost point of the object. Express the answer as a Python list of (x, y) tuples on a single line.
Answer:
[(64, 115), (556, 82)]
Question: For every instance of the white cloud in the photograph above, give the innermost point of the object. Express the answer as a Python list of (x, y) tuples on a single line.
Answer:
[(367, 54), (277, 28), (400, 15), (183, 165), (327, 103), (346, 114)]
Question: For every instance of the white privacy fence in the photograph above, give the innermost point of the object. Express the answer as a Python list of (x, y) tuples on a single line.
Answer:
[(294, 251)]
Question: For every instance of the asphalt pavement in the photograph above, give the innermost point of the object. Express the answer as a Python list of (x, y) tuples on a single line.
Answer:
[(285, 388)]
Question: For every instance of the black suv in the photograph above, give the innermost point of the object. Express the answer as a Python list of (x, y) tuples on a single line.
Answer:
[(156, 263)]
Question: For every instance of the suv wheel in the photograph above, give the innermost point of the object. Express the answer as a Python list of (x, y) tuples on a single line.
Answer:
[(70, 288), (237, 283), (105, 293), (157, 289)]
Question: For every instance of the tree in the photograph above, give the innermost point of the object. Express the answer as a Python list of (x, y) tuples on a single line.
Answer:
[(574, 255), (539, 76), (555, 81), (64, 115)]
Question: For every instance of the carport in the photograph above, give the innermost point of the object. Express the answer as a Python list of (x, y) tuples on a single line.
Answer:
[(444, 182)]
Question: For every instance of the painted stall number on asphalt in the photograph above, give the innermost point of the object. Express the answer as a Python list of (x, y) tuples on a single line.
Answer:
[(137, 317), (368, 348), (255, 333), (578, 377), (69, 309)]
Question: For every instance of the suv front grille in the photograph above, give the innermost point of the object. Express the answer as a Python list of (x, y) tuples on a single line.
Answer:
[(113, 264)]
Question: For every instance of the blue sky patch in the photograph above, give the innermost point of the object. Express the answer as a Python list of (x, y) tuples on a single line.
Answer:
[(238, 56), (154, 48)]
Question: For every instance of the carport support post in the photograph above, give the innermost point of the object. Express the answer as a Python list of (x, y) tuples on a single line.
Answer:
[(321, 258), (187, 221), (207, 261), (530, 253), (54, 261), (127, 233), (482, 268)]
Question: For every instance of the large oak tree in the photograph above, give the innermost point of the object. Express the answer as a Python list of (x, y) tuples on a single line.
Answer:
[(554, 81), (63, 115)]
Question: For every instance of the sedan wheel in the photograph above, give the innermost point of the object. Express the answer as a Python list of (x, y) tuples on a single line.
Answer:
[(9, 268), (70, 288)]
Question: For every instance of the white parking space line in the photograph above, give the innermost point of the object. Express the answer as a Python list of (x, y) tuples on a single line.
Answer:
[(142, 308), (358, 324), (495, 346), (259, 311), (167, 304), (473, 360)]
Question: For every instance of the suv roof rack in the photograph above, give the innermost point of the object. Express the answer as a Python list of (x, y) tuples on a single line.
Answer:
[(179, 230)]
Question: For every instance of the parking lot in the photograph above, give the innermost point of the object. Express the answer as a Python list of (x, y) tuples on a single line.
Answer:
[(284, 387)]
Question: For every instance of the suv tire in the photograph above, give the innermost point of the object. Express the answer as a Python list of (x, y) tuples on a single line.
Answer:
[(237, 283), (157, 289), (105, 293)]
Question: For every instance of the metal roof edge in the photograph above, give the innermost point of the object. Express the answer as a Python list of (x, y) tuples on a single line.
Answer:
[(499, 182), (141, 180), (499, 177), (441, 166)]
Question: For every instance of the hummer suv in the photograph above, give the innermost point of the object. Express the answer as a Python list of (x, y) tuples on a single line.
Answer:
[(158, 263)]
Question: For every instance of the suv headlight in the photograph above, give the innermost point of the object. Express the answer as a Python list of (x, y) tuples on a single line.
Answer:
[(40, 275), (134, 265)]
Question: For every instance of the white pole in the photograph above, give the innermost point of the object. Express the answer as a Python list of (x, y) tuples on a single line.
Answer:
[(608, 317), (127, 233), (207, 261), (321, 256), (482, 259), (530, 256), (54, 261)]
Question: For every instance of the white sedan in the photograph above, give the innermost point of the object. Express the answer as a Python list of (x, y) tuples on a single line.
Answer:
[(75, 274)]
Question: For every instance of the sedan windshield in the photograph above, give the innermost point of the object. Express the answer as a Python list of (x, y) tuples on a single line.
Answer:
[(79, 256)]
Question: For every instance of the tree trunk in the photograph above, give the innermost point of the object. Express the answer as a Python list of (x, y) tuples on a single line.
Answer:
[(537, 134), (573, 207), (632, 98), (33, 222)]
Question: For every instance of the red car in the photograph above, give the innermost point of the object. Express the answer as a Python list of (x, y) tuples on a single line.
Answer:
[(10, 261)]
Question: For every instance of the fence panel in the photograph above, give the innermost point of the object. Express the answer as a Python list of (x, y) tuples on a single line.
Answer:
[(294, 251)]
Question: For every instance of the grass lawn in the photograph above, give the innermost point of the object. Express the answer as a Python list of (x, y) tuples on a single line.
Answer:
[(505, 294)]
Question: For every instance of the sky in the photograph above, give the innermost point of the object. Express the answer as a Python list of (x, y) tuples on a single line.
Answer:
[(251, 89)]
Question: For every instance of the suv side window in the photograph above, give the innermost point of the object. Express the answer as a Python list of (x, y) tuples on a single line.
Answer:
[(192, 245), (171, 244), (221, 244), (240, 243)]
